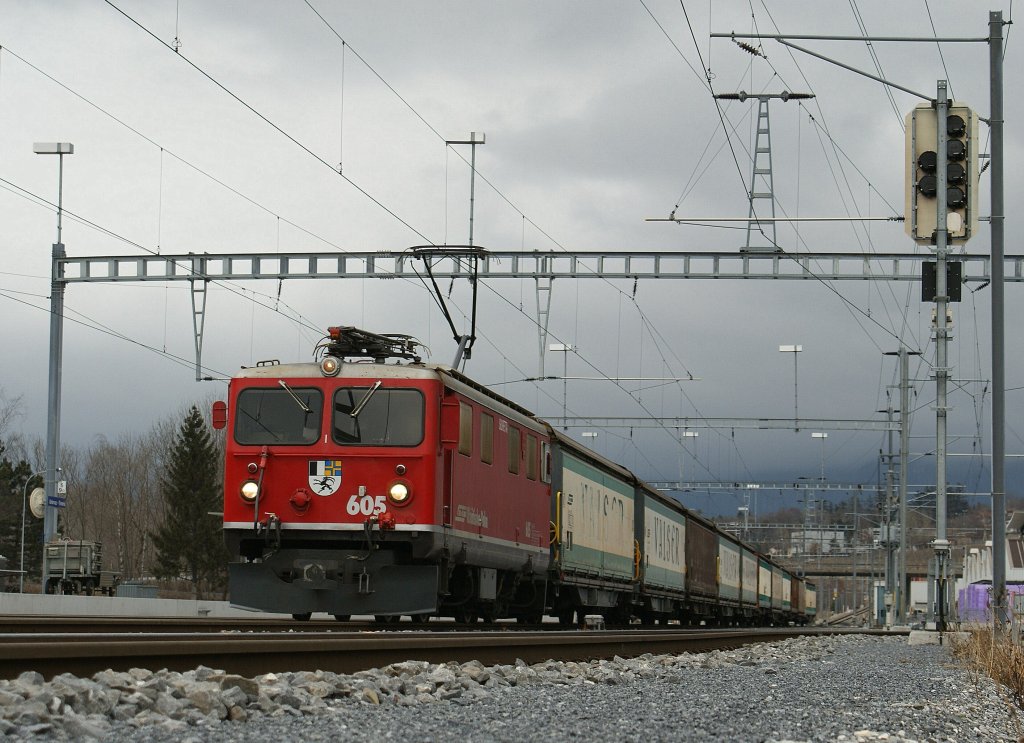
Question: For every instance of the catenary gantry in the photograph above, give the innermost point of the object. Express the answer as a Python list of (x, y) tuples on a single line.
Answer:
[(649, 264)]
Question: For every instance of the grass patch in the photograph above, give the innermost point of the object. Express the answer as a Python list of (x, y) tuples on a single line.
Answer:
[(983, 652)]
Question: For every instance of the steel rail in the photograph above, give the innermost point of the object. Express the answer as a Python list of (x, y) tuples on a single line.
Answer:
[(255, 654)]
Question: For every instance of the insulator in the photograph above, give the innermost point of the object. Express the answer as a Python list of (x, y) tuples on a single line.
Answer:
[(749, 49)]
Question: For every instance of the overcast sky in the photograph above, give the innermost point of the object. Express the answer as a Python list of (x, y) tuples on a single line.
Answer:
[(597, 117)]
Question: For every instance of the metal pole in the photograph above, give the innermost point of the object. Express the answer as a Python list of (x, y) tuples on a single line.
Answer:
[(856, 593), (995, 27), (565, 386), (901, 589), (941, 544), (472, 183), (54, 382), (472, 142), (890, 581), (796, 396)]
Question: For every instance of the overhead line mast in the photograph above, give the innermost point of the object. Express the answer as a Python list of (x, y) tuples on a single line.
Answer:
[(761, 166)]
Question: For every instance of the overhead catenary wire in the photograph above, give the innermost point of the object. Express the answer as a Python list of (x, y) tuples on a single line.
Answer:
[(862, 26), (822, 127), (241, 293), (621, 294), (905, 317), (93, 324), (909, 290), (938, 47), (74, 217), (435, 131), (851, 306), (266, 119), (165, 151)]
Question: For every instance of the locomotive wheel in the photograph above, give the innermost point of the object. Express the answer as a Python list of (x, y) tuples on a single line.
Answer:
[(465, 616), (385, 618), (302, 616), (565, 616), (420, 618), (342, 617)]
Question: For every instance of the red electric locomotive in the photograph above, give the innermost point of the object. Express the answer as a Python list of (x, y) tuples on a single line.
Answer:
[(368, 482)]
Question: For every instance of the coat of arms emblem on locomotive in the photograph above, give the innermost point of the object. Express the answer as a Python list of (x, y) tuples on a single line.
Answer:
[(325, 476)]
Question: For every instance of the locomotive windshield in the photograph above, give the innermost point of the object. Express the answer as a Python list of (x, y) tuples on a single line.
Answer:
[(383, 417), (278, 416)]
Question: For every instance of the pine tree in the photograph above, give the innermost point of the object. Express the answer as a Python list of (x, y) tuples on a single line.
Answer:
[(190, 544)]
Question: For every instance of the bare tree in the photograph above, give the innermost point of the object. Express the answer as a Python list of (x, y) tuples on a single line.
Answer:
[(10, 410), (118, 498)]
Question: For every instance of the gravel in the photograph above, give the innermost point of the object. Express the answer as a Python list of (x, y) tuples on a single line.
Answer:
[(847, 688)]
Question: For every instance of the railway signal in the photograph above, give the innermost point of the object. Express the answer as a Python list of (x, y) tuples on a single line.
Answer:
[(924, 178)]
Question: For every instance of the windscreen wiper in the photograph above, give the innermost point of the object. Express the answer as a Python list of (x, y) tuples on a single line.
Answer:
[(306, 409), (366, 398)]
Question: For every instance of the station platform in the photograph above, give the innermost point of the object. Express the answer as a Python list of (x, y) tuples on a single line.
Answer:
[(114, 606)]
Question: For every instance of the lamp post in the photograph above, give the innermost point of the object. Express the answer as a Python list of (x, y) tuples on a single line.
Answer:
[(682, 436), (796, 409), (744, 511), (56, 343), (821, 480), (592, 435), (821, 436), (566, 349), (21, 561)]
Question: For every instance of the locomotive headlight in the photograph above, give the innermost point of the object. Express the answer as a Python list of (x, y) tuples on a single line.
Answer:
[(250, 489), (329, 366), (399, 493)]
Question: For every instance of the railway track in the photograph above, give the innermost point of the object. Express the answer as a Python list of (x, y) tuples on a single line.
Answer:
[(254, 653)]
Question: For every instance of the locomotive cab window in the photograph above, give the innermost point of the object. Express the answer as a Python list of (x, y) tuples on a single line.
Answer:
[(278, 416), (378, 416)]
